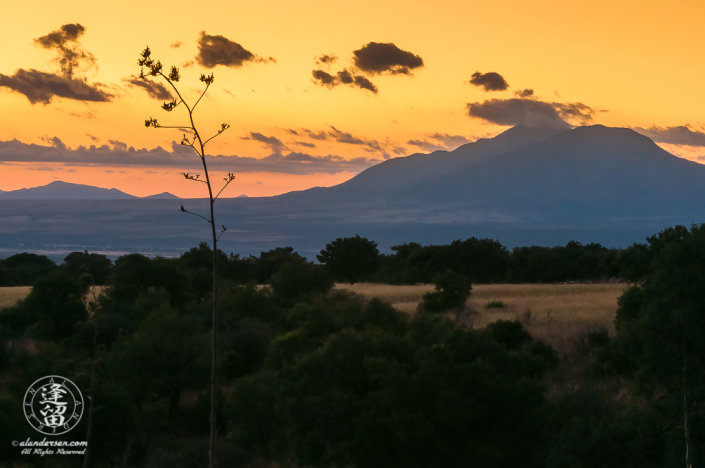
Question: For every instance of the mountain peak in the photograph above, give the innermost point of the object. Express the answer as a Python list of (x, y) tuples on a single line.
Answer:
[(60, 190)]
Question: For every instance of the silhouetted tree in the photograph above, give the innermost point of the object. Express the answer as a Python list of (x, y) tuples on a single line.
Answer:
[(297, 282), (350, 258), (24, 269), (660, 325), (198, 143), (452, 290), (78, 264)]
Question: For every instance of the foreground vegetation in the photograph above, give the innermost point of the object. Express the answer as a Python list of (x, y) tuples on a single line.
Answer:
[(317, 376), (561, 315)]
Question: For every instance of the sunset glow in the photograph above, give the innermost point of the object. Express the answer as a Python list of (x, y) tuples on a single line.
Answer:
[(624, 64)]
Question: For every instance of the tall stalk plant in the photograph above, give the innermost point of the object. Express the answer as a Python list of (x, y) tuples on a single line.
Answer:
[(198, 144)]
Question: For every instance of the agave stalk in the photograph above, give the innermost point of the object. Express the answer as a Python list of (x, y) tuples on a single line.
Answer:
[(198, 144)]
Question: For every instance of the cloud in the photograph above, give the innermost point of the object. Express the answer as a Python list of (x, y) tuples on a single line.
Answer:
[(443, 141), (491, 81), (321, 135), (306, 144), (65, 41), (574, 112), (154, 89), (339, 136), (530, 112), (273, 143), (93, 138), (377, 58), (364, 83), (176, 44), (180, 157), (679, 135), (42, 87), (345, 137), (219, 50), (345, 77), (41, 168), (187, 64), (323, 78), (524, 93), (325, 59)]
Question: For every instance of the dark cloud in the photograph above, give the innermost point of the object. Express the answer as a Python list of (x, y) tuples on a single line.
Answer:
[(41, 87), (377, 57), (530, 112), (187, 64), (273, 143), (306, 144), (155, 89), (345, 77), (680, 135), (176, 44), (323, 78), (316, 135), (576, 113), (334, 134), (364, 83), (219, 50), (181, 157), (345, 137), (70, 56), (524, 93), (94, 139), (443, 141), (491, 81), (325, 59)]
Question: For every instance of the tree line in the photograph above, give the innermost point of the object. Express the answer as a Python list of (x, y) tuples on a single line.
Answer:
[(355, 259), (314, 377)]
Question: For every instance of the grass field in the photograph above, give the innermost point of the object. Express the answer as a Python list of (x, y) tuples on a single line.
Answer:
[(9, 296), (560, 314)]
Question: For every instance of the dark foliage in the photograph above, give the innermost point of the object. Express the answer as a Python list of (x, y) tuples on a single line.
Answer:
[(350, 259), (452, 290), (24, 269)]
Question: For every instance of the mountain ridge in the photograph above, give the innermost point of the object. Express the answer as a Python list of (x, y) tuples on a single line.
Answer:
[(60, 190)]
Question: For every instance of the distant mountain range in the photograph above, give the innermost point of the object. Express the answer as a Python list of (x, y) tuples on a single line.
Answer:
[(59, 190), (526, 186), (592, 172)]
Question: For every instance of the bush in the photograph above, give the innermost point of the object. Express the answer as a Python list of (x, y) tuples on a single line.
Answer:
[(452, 291)]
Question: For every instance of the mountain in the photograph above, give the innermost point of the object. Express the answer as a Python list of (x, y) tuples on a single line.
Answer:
[(396, 175), (592, 172), (162, 196), (524, 187), (59, 190)]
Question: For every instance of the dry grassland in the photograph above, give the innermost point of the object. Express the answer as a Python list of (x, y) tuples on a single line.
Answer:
[(9, 296), (559, 314)]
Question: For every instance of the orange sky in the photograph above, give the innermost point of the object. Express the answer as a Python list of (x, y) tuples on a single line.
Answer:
[(628, 63)]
